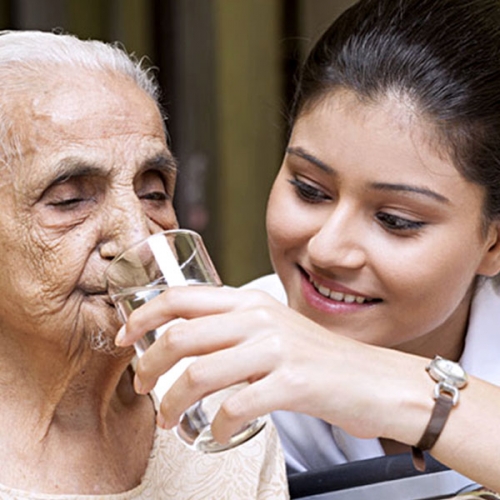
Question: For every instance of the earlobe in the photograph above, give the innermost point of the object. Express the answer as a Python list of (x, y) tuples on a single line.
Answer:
[(490, 265)]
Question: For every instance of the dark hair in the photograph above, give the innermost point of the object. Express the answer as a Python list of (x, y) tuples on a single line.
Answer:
[(444, 55)]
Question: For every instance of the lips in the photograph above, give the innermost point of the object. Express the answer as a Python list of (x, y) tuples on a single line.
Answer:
[(337, 295), (96, 292)]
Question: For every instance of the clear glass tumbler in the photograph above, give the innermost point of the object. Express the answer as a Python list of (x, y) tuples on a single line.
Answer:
[(176, 257)]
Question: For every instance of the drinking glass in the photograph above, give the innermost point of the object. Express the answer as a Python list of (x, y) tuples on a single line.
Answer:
[(175, 257)]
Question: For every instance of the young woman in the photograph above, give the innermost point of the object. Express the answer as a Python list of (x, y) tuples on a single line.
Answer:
[(384, 231)]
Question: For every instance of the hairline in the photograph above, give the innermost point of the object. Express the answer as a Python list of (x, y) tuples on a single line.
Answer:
[(26, 56), (438, 140)]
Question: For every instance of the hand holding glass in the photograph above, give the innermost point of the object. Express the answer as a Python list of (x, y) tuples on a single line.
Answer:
[(172, 258)]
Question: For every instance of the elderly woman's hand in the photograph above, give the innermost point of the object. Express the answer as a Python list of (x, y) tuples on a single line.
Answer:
[(290, 362)]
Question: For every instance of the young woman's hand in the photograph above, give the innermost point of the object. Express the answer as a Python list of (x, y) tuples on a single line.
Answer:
[(290, 362)]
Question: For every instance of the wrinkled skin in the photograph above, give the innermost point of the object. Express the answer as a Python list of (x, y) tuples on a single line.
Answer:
[(57, 237), (95, 175)]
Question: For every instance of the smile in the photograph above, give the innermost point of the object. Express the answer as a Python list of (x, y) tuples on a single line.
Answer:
[(339, 296)]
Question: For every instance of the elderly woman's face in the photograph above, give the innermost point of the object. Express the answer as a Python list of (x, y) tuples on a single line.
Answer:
[(95, 176)]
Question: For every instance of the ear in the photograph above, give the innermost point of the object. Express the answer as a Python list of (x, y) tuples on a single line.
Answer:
[(490, 264)]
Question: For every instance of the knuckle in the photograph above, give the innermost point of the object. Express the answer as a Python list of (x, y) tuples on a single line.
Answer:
[(143, 367), (173, 339), (256, 298), (232, 409), (293, 380), (196, 375), (265, 316), (274, 346)]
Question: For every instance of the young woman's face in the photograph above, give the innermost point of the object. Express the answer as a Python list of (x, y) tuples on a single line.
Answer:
[(374, 234)]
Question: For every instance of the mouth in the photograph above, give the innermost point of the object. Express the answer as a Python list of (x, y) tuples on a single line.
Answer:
[(102, 295), (338, 296)]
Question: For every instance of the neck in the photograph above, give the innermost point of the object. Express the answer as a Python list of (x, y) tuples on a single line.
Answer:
[(446, 340), (74, 420)]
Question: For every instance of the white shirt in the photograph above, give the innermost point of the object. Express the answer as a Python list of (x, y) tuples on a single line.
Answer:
[(312, 444)]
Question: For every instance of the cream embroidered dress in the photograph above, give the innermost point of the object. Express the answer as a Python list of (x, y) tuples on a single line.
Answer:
[(254, 470)]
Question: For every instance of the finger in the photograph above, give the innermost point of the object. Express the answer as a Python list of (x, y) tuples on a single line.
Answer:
[(187, 338), (186, 302), (209, 374), (252, 401), (169, 305)]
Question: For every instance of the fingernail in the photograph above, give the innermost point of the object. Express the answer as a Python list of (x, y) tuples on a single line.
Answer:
[(120, 336), (160, 421), (138, 385)]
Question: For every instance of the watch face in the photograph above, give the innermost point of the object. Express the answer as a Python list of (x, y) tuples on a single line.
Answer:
[(449, 371)]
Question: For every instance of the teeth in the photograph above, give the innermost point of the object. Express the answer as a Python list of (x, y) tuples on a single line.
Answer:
[(338, 296), (335, 295)]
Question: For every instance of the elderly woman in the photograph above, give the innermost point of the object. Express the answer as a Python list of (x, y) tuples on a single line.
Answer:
[(86, 171)]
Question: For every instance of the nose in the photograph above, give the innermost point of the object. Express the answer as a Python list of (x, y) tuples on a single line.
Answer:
[(124, 223), (340, 241)]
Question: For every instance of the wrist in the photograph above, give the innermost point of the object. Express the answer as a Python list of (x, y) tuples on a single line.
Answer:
[(408, 399), (449, 378)]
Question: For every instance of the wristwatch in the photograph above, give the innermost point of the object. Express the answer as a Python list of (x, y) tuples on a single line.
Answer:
[(450, 377)]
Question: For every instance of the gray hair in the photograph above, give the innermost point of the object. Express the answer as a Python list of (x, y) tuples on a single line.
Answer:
[(26, 48), (27, 55)]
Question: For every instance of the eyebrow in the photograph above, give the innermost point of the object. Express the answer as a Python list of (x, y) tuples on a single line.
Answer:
[(379, 186), (310, 158), (71, 167), (162, 162)]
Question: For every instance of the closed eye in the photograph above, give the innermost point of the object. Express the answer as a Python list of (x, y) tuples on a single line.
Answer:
[(71, 194), (151, 186), (67, 203), (155, 196)]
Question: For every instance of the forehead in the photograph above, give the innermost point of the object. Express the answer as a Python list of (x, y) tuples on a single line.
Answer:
[(88, 103), (93, 114), (393, 112), (390, 129)]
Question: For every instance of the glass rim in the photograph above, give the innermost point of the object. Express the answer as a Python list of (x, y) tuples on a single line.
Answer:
[(165, 232), (137, 244)]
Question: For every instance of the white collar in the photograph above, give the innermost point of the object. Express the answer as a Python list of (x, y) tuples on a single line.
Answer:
[(481, 353)]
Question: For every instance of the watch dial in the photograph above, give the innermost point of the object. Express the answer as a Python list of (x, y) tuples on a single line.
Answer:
[(451, 369)]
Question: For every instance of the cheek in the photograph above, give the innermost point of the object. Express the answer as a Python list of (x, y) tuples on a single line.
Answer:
[(425, 291), (35, 292), (291, 223), (52, 272), (281, 233), (167, 219), (160, 217), (52, 266)]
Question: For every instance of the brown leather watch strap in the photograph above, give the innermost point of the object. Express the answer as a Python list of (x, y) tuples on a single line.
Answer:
[(439, 416)]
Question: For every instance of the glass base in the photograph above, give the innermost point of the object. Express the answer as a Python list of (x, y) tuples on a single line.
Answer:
[(201, 439)]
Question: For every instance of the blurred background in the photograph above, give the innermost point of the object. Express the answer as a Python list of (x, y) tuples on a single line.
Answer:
[(226, 69)]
